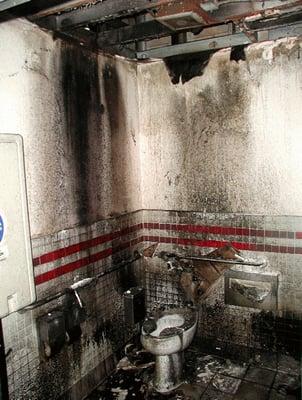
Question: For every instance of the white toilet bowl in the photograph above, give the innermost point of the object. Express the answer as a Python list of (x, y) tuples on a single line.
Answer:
[(174, 332)]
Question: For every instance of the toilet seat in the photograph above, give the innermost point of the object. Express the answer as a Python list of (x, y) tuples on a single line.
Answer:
[(172, 322)]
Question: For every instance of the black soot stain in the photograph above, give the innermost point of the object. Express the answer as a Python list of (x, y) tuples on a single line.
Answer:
[(82, 101), (226, 103), (283, 334), (238, 53), (116, 112), (185, 67), (112, 89)]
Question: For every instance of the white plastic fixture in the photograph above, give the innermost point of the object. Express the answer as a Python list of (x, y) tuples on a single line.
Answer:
[(17, 288)]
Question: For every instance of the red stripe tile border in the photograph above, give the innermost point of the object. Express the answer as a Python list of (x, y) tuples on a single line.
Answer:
[(64, 269), (186, 228), (224, 230), (83, 262), (87, 244), (218, 243)]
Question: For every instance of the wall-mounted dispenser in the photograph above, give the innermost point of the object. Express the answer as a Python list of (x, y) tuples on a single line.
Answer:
[(17, 288), (134, 305), (52, 332), (75, 315)]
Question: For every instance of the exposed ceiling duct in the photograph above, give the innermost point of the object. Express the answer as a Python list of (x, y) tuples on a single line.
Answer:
[(159, 28), (182, 15)]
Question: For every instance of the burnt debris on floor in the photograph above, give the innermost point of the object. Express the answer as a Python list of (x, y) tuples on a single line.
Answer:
[(211, 373)]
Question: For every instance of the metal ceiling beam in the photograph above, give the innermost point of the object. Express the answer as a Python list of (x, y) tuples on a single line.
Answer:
[(110, 9), (273, 22), (235, 39), (98, 12), (6, 4), (58, 8), (280, 32), (144, 31), (232, 40)]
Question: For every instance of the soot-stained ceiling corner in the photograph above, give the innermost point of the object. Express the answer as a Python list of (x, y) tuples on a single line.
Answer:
[(182, 68), (238, 53)]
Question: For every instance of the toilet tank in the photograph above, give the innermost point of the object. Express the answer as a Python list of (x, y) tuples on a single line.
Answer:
[(17, 288)]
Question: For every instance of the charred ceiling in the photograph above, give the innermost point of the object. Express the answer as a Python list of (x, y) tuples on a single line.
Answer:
[(145, 29)]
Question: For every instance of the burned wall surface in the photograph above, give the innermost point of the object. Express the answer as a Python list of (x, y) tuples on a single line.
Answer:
[(104, 137), (77, 112), (223, 151), (228, 141), (82, 160), (60, 260), (274, 243)]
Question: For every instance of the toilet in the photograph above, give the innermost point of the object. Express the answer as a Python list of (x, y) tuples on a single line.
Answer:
[(172, 332)]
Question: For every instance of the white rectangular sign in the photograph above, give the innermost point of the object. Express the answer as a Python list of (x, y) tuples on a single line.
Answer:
[(17, 288)]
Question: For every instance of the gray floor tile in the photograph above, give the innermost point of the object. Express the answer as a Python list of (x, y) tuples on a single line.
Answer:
[(225, 384), (288, 364), (265, 359), (251, 391), (191, 391), (274, 395), (261, 376), (206, 368), (212, 394), (288, 386), (209, 365), (235, 370), (286, 380)]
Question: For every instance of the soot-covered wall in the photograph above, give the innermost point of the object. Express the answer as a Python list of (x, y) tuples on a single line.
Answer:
[(221, 163), (228, 141), (77, 112), (104, 136)]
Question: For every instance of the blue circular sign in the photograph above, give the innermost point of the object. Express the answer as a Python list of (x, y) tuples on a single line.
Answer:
[(1, 228)]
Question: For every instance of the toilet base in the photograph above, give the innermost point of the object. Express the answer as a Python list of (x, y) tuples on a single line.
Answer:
[(168, 372)]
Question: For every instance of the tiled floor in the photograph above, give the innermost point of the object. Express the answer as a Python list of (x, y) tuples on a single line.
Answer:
[(242, 375)]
